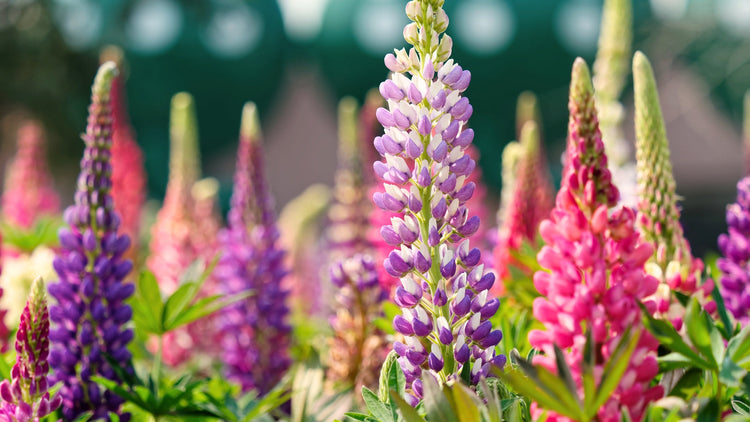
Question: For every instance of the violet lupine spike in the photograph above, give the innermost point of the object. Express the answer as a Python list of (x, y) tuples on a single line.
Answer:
[(594, 275), (128, 173), (348, 215), (25, 396), (658, 214), (531, 202), (29, 194), (90, 314), (358, 348), (444, 290), (735, 246), (172, 247), (256, 330)]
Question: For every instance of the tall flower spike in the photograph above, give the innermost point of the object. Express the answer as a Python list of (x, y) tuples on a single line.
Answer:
[(594, 263), (358, 347), (530, 203), (256, 331), (444, 290), (128, 173), (172, 247), (348, 215), (91, 311), (25, 397), (29, 194), (610, 70), (735, 246), (658, 215)]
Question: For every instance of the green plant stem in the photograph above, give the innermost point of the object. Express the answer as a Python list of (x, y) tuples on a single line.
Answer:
[(157, 365)]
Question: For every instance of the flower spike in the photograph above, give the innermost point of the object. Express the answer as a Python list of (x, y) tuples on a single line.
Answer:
[(594, 261), (256, 330), (658, 215), (26, 397), (29, 194), (444, 288), (735, 277), (91, 311)]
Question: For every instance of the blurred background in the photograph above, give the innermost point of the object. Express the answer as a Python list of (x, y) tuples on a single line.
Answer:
[(297, 58)]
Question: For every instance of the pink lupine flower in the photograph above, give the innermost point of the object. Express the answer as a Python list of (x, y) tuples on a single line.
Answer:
[(128, 173), (172, 247), (28, 193), (530, 202), (594, 261)]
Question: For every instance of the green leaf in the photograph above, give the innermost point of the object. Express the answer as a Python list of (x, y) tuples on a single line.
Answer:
[(531, 388), (699, 331), (721, 309), (738, 348), (614, 369), (205, 307), (587, 371), (407, 412), (555, 387), (466, 403), (391, 378), (670, 338), (436, 405), (147, 304), (688, 385), (378, 408), (710, 412), (178, 302)]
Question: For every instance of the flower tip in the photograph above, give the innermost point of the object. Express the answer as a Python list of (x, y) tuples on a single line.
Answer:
[(530, 136), (527, 108), (104, 76), (250, 126), (580, 81), (112, 53), (205, 188)]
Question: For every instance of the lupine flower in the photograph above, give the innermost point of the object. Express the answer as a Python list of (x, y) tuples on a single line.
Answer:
[(530, 204), (26, 397), (257, 334), (91, 312), (300, 233), (381, 247), (28, 193), (369, 128), (610, 71), (128, 172), (443, 293), (595, 268), (735, 246), (348, 216), (172, 247), (658, 215), (17, 276), (358, 348)]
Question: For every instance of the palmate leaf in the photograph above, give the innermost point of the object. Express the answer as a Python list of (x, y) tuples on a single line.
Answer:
[(43, 233), (671, 339), (531, 387), (436, 403), (614, 369), (703, 333)]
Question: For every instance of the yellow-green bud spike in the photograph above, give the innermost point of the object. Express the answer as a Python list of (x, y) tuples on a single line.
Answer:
[(183, 131), (612, 56), (103, 80), (348, 115), (659, 218), (527, 109), (250, 124), (38, 295)]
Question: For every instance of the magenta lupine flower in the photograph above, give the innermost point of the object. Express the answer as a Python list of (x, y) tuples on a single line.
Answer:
[(172, 247), (735, 246), (444, 292), (91, 312), (530, 202), (358, 347), (128, 174), (256, 330), (594, 263), (26, 397), (28, 193)]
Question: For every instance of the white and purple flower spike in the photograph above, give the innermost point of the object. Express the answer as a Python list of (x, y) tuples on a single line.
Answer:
[(445, 307)]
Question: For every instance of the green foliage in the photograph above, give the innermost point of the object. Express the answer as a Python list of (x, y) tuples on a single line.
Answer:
[(559, 392), (156, 315), (310, 401), (43, 233)]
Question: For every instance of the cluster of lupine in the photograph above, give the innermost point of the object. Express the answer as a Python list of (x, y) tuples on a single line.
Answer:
[(589, 258)]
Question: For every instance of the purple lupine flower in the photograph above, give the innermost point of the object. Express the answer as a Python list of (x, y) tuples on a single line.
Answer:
[(358, 347), (257, 333), (26, 397), (90, 313), (444, 293), (735, 246)]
